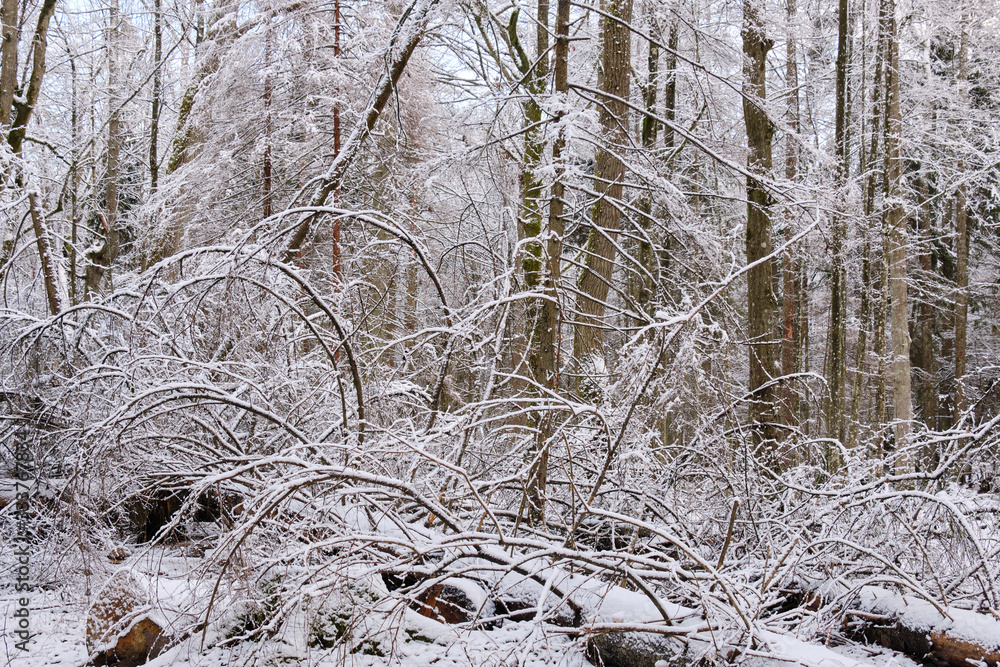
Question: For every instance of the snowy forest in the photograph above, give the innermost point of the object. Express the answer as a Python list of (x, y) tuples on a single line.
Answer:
[(485, 332)]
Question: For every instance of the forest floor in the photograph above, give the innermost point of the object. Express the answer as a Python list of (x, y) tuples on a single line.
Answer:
[(59, 627)]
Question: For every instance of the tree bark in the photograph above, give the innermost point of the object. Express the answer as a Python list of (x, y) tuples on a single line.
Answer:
[(546, 334), (609, 174), (8, 61), (670, 87), (901, 624), (154, 119), (835, 418), (336, 260), (924, 323), (761, 303), (530, 224), (74, 179), (55, 287), (789, 344), (24, 107), (534, 74), (99, 260), (896, 229), (869, 164), (962, 247), (266, 166), (645, 284)]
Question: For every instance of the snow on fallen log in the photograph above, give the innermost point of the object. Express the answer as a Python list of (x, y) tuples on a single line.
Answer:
[(926, 632)]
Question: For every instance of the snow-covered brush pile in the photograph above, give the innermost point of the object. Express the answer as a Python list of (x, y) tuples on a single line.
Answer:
[(336, 501)]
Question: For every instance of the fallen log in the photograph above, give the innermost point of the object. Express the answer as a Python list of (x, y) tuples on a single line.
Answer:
[(631, 649), (933, 634)]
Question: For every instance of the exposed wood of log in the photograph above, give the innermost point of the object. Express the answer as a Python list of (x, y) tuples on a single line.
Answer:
[(956, 637)]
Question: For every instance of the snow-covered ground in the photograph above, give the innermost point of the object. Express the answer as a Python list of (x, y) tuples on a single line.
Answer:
[(58, 626), (59, 639)]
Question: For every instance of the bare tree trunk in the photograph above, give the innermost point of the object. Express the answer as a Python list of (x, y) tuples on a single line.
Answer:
[(924, 322), (789, 345), (530, 225), (670, 88), (266, 166), (336, 264), (154, 121), (100, 259), (761, 303), (55, 288), (24, 105), (837, 370), (902, 400), (962, 247), (801, 335), (8, 66), (545, 357), (868, 165), (649, 271), (609, 174), (534, 72), (876, 180), (74, 179), (878, 329)]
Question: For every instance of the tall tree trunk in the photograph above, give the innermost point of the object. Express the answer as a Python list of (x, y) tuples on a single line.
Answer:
[(924, 323), (801, 335), (154, 120), (8, 61), (609, 175), (835, 418), (74, 179), (902, 400), (268, 207), (789, 344), (21, 110), (100, 259), (868, 165), (761, 303), (879, 343), (336, 264), (962, 246), (876, 180), (534, 72), (24, 105), (649, 272), (52, 276), (545, 355), (670, 87)]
